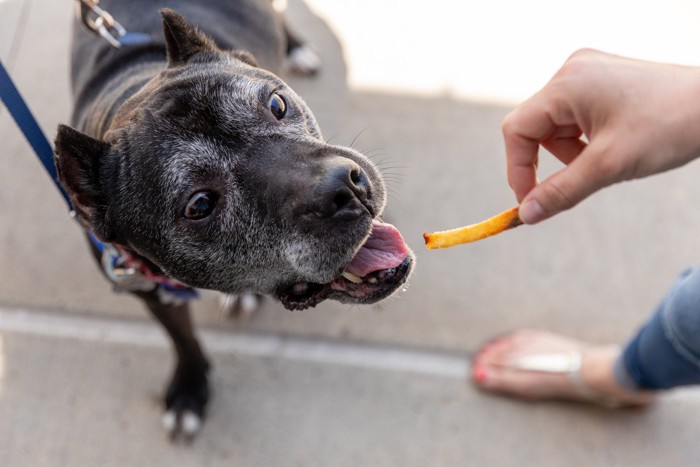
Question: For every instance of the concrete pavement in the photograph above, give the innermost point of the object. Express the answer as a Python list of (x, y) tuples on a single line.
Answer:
[(84, 401), (594, 273)]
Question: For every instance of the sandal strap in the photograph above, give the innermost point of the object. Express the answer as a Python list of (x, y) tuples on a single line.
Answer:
[(568, 363), (591, 394)]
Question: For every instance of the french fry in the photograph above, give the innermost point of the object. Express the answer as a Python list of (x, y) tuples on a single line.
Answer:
[(471, 233)]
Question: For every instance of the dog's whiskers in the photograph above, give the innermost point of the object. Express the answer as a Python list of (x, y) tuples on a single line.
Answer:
[(328, 141), (385, 168), (360, 133), (396, 175), (368, 151), (393, 194)]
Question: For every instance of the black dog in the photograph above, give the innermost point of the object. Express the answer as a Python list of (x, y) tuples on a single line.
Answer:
[(193, 165)]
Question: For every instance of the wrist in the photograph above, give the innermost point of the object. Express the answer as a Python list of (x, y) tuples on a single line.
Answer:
[(689, 114)]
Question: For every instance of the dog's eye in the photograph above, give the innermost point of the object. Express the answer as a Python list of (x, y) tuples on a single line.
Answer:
[(200, 205), (278, 106)]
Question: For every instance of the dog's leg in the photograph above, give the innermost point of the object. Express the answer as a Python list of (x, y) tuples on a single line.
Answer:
[(301, 57), (188, 392)]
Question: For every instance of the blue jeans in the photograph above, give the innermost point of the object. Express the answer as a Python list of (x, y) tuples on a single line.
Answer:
[(665, 353)]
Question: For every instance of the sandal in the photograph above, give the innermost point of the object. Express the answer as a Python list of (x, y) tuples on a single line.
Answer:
[(534, 375), (569, 364)]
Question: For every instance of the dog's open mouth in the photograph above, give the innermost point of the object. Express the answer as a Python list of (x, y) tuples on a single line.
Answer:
[(379, 267)]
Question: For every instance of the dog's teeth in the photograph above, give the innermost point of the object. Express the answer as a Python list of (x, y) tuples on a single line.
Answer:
[(372, 280), (352, 277)]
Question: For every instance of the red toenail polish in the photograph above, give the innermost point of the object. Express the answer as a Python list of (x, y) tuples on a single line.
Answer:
[(480, 374)]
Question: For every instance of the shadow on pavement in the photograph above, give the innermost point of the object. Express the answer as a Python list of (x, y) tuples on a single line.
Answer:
[(595, 273)]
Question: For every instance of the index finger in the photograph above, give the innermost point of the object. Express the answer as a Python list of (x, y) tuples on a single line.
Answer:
[(524, 129)]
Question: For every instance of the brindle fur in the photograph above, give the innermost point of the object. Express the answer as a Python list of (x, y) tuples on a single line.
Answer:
[(156, 122)]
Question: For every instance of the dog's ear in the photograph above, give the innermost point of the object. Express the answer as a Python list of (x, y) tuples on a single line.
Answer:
[(78, 159), (245, 56), (182, 40)]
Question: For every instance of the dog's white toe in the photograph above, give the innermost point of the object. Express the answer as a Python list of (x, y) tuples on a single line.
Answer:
[(241, 306), (191, 423), (169, 421), (249, 303)]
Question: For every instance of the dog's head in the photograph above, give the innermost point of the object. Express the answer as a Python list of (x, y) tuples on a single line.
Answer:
[(216, 172)]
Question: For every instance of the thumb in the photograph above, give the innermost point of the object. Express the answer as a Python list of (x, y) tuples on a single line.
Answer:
[(565, 189)]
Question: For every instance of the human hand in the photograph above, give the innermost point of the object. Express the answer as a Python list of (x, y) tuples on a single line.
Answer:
[(639, 118)]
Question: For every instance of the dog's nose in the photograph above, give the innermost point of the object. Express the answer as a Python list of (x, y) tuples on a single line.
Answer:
[(342, 191)]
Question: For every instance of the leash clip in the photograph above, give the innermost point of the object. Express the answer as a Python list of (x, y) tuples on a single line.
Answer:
[(100, 22), (123, 276)]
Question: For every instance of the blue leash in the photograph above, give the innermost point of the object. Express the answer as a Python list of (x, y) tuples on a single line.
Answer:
[(111, 259), (96, 20), (26, 122)]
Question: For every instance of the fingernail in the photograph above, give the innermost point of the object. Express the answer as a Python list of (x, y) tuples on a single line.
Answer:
[(531, 212), (480, 374)]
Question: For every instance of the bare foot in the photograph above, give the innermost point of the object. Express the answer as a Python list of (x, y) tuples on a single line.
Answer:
[(495, 369)]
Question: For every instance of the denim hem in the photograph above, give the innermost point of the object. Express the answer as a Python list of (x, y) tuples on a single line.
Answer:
[(622, 375), (675, 340)]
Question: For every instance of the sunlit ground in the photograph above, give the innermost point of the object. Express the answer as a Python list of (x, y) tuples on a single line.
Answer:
[(2, 362), (498, 50), (495, 50)]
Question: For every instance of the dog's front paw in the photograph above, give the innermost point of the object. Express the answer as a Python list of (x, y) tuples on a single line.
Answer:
[(185, 404)]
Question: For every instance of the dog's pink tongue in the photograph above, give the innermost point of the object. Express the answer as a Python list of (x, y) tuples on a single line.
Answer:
[(385, 249)]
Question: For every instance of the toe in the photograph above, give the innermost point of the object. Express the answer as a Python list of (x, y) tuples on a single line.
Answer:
[(169, 422), (191, 423)]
